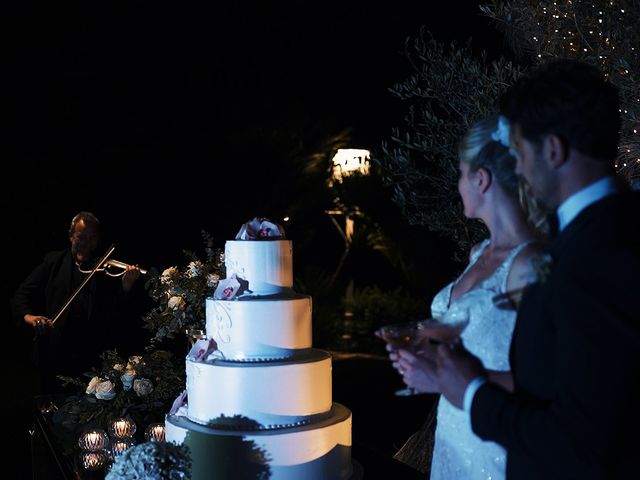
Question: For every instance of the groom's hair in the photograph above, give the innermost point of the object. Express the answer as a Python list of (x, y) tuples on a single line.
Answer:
[(570, 99)]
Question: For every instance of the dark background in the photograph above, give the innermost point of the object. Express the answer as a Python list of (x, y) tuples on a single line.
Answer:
[(165, 118)]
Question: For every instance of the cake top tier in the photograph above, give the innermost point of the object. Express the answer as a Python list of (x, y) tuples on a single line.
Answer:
[(259, 261)]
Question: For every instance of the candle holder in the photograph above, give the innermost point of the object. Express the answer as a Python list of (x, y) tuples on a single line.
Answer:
[(119, 445), (94, 460), (93, 440), (122, 428), (154, 432)]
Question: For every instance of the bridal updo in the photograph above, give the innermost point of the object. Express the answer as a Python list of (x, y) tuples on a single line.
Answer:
[(484, 147)]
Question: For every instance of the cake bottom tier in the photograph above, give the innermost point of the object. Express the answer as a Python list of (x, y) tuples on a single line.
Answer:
[(320, 450)]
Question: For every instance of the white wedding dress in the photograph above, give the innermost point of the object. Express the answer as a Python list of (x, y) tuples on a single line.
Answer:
[(458, 453)]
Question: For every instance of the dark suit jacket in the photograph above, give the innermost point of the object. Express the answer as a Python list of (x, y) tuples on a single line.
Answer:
[(575, 357), (91, 324)]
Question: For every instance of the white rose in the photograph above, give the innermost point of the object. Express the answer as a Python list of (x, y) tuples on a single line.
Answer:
[(105, 390), (193, 269), (135, 359), (142, 386), (127, 378), (119, 367), (91, 388), (167, 274), (176, 303)]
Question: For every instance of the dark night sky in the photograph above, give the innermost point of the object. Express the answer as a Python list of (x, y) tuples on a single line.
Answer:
[(154, 114)]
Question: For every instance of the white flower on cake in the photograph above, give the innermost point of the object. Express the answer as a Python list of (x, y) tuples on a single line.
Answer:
[(179, 403), (230, 288), (260, 229), (203, 350)]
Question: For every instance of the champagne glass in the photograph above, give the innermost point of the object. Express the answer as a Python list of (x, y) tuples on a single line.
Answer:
[(423, 336), (401, 335)]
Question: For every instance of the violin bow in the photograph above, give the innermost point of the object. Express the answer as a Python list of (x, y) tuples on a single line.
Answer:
[(84, 282)]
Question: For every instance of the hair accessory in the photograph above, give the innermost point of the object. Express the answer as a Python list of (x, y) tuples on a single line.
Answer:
[(502, 133)]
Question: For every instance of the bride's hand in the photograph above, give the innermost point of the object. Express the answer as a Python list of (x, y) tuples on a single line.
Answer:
[(418, 372)]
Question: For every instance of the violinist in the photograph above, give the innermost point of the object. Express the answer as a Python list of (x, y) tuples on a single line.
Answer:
[(91, 322)]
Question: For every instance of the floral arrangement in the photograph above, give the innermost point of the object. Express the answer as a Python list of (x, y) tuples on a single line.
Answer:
[(141, 388), (180, 293), (152, 461)]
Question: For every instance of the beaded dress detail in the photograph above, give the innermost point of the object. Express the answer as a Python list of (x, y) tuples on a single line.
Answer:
[(458, 453)]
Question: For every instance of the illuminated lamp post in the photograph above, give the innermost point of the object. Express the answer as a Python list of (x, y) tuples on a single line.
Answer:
[(346, 162)]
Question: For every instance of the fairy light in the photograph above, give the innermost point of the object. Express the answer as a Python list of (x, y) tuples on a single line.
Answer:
[(601, 36)]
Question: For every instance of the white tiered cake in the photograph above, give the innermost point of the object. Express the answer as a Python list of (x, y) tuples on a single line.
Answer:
[(259, 400)]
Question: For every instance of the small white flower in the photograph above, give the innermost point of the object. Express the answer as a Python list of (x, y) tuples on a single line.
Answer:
[(142, 386), (105, 390), (91, 388), (167, 274), (193, 269), (135, 359), (176, 303), (119, 367)]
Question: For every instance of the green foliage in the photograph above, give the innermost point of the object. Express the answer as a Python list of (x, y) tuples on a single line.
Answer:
[(447, 91), (140, 387), (450, 88), (180, 293), (603, 33)]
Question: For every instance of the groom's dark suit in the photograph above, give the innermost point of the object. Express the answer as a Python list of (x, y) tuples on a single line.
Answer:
[(575, 357)]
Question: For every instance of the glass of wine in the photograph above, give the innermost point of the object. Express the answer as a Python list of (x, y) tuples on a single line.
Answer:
[(401, 335), (423, 336)]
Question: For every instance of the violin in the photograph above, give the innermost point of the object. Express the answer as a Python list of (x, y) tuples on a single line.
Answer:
[(112, 264), (101, 266)]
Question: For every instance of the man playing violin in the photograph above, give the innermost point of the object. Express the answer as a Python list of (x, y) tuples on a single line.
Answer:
[(90, 323)]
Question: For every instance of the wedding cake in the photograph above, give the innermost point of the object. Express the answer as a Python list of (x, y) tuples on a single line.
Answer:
[(258, 402)]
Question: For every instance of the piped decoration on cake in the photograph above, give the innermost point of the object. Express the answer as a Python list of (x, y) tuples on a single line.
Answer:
[(260, 229)]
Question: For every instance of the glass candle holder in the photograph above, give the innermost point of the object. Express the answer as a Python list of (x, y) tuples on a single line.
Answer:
[(93, 440), (94, 460), (119, 445), (122, 428), (154, 432)]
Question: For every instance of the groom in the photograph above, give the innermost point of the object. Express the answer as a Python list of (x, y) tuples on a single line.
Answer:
[(575, 353)]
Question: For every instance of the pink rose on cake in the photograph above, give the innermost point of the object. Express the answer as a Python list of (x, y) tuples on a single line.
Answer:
[(260, 229), (230, 288)]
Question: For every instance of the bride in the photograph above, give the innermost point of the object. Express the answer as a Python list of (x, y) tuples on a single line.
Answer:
[(499, 265)]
